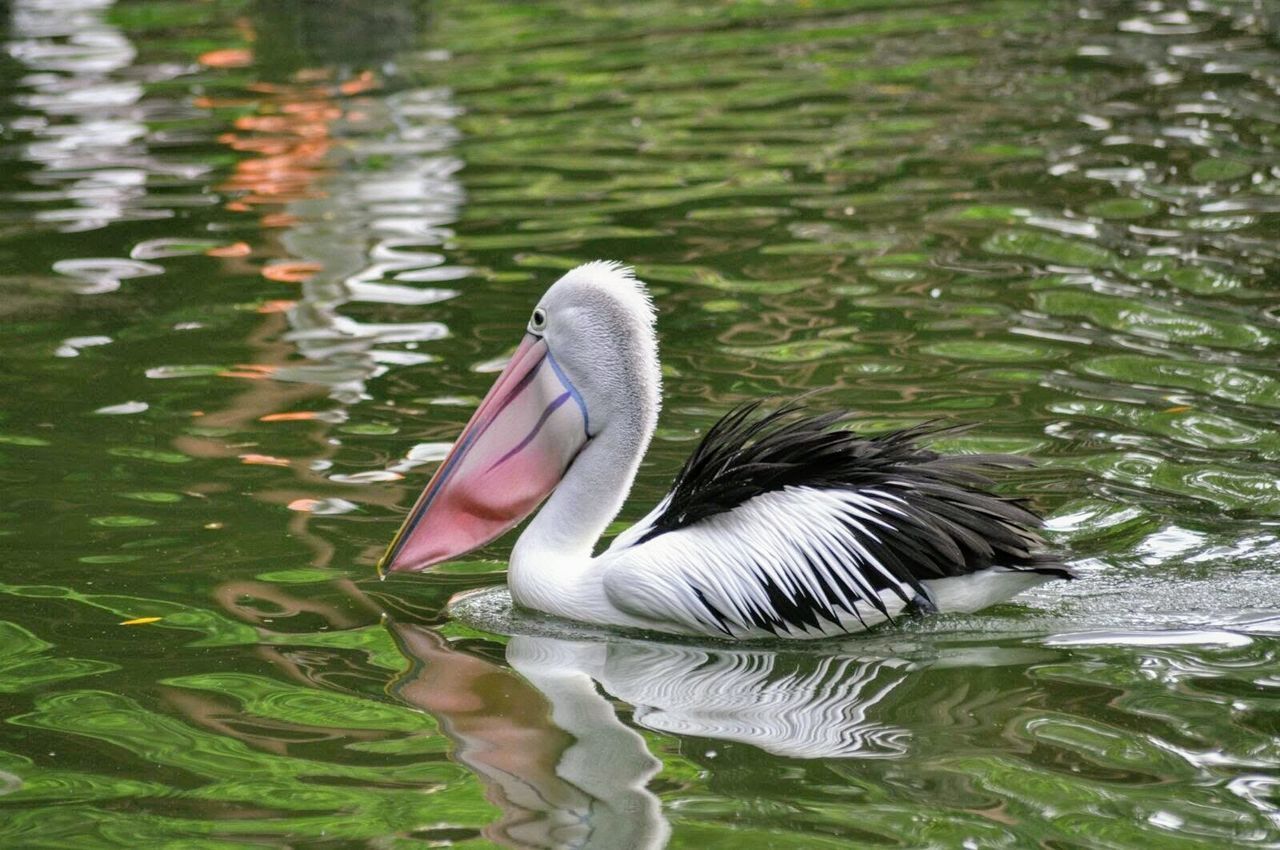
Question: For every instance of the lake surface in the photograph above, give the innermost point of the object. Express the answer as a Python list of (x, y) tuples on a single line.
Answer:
[(259, 260)]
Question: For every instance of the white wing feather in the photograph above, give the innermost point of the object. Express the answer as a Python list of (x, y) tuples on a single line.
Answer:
[(787, 562)]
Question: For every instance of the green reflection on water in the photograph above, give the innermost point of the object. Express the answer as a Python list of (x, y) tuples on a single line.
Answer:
[(26, 663), (283, 245)]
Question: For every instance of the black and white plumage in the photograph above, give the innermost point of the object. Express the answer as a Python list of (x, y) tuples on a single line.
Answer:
[(781, 524)]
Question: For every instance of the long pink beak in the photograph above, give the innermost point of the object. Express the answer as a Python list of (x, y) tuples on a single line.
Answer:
[(512, 453)]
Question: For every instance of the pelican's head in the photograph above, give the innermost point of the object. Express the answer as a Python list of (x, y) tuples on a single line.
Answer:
[(587, 367)]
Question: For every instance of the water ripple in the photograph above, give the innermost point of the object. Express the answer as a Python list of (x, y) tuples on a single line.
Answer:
[(261, 261)]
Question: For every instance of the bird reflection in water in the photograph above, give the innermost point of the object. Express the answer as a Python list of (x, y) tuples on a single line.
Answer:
[(567, 772), (557, 761)]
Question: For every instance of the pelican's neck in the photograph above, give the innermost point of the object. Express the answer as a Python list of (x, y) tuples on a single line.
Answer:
[(552, 555)]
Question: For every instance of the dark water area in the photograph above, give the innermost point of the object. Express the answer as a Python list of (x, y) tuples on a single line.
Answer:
[(259, 260)]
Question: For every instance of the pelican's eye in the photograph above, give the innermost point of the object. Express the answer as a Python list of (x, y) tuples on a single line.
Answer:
[(538, 321)]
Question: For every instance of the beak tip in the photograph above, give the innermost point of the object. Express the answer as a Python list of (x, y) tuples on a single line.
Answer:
[(387, 565), (390, 566)]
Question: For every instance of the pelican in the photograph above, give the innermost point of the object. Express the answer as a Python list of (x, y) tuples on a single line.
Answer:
[(780, 525)]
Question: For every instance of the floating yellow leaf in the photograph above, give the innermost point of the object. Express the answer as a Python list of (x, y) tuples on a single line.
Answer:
[(141, 621)]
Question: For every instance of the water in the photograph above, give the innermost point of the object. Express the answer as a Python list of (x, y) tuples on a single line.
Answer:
[(258, 261)]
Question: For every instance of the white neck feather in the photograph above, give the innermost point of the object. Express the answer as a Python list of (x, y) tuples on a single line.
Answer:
[(551, 560)]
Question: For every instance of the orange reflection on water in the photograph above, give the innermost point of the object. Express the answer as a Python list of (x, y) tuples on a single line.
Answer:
[(295, 416), (280, 305), (263, 460), (286, 143), (228, 57), (291, 271), (291, 136), (235, 249)]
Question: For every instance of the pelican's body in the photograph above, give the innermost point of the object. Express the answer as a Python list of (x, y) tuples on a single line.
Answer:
[(780, 525)]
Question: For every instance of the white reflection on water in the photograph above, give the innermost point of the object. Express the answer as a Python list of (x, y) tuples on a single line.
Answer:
[(378, 237), (567, 772), (89, 131), (555, 758), (1165, 637), (546, 737), (795, 706)]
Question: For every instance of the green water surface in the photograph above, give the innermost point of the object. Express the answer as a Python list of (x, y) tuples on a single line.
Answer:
[(259, 260)]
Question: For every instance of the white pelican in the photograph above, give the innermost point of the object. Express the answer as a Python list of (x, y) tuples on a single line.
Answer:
[(779, 525)]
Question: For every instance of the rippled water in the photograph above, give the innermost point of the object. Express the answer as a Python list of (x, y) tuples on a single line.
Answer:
[(258, 261)]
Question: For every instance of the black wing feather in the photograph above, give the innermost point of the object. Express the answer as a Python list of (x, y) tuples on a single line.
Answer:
[(946, 522)]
